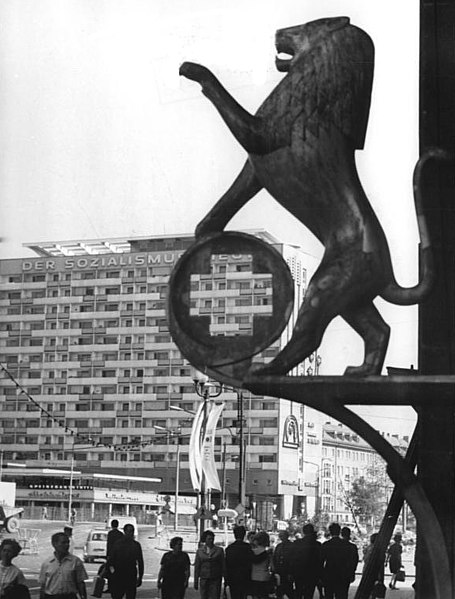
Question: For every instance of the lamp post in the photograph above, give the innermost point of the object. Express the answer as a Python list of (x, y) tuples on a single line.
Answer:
[(204, 389), (224, 451), (241, 448), (70, 496)]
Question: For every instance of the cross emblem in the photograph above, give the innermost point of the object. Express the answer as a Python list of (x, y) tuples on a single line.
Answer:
[(231, 295)]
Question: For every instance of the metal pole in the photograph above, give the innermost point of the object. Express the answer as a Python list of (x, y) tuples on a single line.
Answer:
[(223, 487), (70, 498), (241, 448), (336, 485), (205, 399), (1, 464), (177, 481)]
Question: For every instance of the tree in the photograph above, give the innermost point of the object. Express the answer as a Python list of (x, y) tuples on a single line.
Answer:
[(366, 498)]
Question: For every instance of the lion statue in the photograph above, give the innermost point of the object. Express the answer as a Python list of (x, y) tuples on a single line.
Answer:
[(301, 144)]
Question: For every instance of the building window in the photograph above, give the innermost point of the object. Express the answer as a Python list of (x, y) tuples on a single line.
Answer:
[(270, 457), (267, 440), (268, 422)]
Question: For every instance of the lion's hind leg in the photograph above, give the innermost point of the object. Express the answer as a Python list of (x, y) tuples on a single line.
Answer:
[(368, 323)]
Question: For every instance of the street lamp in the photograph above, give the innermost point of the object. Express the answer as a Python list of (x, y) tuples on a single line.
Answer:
[(227, 428), (207, 390), (70, 497)]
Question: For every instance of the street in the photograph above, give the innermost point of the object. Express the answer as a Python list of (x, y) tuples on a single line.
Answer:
[(153, 547)]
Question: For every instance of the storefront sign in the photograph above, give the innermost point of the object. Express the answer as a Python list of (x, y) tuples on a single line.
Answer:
[(289, 483), (291, 432), (110, 260)]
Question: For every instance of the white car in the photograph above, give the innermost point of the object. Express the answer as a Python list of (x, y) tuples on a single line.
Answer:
[(95, 545)]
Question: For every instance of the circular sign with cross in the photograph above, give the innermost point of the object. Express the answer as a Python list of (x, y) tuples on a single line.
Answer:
[(230, 296)]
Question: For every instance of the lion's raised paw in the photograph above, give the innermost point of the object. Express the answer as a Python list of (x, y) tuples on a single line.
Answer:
[(194, 71)]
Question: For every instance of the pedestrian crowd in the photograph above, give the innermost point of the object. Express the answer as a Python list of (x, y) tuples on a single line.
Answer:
[(248, 569), (252, 569)]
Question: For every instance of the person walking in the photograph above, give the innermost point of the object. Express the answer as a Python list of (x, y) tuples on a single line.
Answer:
[(237, 573), (12, 579), (208, 567), (394, 558), (113, 536), (73, 516), (174, 571), (281, 565), (63, 574), (126, 565), (262, 583), (337, 562), (306, 563), (68, 530), (353, 551)]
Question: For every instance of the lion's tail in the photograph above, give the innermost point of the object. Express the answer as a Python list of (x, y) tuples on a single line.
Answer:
[(405, 296)]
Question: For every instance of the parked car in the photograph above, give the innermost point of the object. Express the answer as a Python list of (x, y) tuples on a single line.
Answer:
[(95, 545)]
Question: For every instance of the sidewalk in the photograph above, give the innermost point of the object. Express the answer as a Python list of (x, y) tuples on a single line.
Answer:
[(405, 591)]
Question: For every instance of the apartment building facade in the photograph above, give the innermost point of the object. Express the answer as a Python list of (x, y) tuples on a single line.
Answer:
[(345, 458), (95, 376)]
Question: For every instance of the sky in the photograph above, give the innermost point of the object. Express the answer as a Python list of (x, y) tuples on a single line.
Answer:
[(100, 137)]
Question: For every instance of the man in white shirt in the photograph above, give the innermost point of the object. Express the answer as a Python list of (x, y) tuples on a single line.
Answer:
[(63, 575)]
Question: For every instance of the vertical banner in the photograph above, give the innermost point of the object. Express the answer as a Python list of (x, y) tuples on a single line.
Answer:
[(194, 457), (212, 480)]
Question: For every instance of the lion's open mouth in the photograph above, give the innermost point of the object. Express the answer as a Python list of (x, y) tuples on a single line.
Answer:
[(284, 57)]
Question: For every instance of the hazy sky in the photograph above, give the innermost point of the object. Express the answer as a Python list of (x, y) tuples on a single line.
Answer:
[(101, 138)]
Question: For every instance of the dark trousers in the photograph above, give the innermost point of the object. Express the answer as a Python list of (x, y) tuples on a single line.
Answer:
[(337, 590), (238, 590), (123, 585), (172, 591), (285, 587), (304, 589)]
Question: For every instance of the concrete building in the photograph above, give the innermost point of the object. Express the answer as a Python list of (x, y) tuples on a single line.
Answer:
[(345, 458), (96, 377)]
